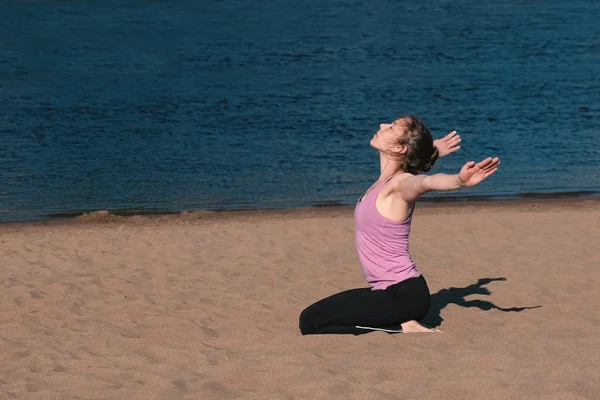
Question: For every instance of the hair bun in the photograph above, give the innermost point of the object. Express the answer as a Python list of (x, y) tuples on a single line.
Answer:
[(432, 159)]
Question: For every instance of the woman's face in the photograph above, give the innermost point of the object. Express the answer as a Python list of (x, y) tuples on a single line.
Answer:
[(388, 137)]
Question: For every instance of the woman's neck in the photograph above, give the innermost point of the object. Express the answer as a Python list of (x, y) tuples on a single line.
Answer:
[(387, 166)]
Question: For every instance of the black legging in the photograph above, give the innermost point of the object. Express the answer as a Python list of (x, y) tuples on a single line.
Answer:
[(385, 309)]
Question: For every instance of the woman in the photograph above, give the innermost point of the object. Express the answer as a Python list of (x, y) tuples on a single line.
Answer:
[(398, 297)]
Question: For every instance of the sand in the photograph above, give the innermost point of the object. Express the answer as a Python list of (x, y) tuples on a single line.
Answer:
[(206, 305)]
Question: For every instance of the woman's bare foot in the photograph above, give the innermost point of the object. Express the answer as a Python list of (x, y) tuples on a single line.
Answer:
[(415, 327)]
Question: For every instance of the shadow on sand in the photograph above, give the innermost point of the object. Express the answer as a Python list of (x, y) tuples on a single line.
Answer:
[(457, 296)]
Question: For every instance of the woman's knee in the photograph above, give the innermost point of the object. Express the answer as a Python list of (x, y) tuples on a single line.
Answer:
[(306, 322)]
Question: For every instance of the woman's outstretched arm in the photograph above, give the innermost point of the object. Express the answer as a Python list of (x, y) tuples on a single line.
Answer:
[(470, 175)]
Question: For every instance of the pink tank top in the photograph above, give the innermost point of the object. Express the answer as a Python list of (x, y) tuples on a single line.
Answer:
[(382, 244)]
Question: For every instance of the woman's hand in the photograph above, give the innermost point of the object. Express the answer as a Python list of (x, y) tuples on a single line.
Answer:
[(448, 144), (473, 173)]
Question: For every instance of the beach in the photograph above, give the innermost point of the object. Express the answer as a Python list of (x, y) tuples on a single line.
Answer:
[(205, 305)]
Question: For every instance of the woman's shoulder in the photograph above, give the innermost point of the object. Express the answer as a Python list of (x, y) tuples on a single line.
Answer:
[(393, 183), (399, 177)]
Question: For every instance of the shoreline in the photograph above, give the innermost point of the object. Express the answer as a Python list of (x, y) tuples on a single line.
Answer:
[(424, 206)]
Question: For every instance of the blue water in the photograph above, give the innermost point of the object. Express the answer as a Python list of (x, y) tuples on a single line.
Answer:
[(166, 106)]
